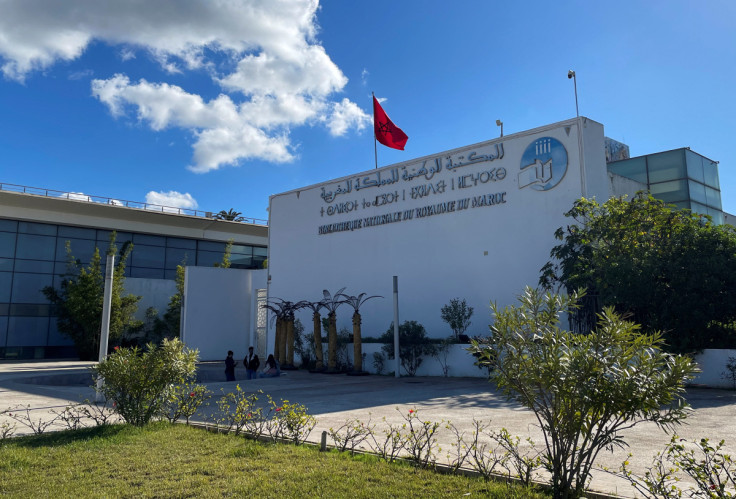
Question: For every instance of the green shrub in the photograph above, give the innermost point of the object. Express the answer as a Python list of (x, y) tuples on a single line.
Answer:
[(139, 382), (584, 389), (414, 345)]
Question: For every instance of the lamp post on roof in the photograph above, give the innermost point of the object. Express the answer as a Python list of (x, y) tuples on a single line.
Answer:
[(581, 150), (571, 74), (500, 123)]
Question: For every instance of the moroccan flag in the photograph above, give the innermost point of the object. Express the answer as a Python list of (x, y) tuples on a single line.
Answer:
[(386, 132)]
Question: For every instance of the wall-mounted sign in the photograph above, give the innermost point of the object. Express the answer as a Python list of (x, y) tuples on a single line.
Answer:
[(543, 164)]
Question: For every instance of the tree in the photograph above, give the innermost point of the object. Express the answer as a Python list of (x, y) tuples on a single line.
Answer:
[(414, 345), (457, 314), (674, 271), (584, 389), (225, 263), (170, 326), (356, 302), (79, 300), (230, 214)]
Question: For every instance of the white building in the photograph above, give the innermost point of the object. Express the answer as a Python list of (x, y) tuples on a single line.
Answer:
[(476, 222)]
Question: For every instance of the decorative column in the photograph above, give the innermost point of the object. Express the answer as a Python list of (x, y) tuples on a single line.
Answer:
[(282, 342), (290, 340), (277, 339), (317, 324), (332, 342), (357, 344)]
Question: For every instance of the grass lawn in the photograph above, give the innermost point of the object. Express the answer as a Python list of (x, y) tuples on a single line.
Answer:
[(164, 460)]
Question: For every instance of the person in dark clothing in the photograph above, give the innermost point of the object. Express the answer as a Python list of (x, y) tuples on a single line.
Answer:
[(230, 366), (251, 363), (272, 369)]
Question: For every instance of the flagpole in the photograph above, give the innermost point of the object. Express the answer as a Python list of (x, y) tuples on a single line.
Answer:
[(375, 146)]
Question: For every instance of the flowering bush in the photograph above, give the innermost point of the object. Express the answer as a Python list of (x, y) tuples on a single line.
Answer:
[(138, 382), (240, 413), (351, 434), (184, 400), (290, 421)]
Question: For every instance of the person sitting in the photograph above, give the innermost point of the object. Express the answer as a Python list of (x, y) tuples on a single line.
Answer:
[(230, 366), (251, 363), (272, 368)]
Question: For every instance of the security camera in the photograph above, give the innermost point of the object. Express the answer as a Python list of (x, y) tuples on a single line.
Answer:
[(570, 74)]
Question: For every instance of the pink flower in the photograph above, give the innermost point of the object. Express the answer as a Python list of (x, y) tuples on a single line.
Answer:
[(191, 394), (114, 404), (250, 415), (278, 409), (116, 348), (411, 411), (713, 487)]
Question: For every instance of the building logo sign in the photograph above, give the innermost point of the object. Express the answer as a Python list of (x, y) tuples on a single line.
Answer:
[(543, 164)]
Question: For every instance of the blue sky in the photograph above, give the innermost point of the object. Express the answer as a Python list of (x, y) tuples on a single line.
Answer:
[(188, 104)]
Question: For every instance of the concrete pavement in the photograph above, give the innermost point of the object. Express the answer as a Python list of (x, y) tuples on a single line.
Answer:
[(51, 386)]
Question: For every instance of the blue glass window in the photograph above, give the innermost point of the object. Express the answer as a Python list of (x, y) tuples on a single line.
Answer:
[(8, 225), (35, 247), (36, 228), (148, 256), (27, 287), (27, 331), (77, 232), (6, 278), (7, 244), (34, 266)]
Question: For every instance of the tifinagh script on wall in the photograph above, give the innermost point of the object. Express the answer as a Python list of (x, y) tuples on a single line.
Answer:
[(429, 178)]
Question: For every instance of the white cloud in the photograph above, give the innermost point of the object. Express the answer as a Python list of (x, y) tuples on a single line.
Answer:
[(279, 75), (346, 115), (364, 76), (223, 133), (79, 75), (76, 196), (170, 199), (127, 54)]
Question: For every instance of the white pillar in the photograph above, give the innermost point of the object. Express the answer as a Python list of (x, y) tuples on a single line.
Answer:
[(105, 326), (397, 357)]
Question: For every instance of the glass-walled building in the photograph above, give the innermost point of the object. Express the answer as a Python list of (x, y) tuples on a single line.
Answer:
[(33, 256), (680, 177)]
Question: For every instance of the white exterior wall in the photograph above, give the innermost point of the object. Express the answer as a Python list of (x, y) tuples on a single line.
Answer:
[(712, 364), (482, 253), (218, 313)]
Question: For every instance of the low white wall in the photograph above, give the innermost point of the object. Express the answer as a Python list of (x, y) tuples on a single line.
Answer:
[(713, 364), (459, 360)]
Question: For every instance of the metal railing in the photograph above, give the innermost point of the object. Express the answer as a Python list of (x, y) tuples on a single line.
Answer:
[(78, 196)]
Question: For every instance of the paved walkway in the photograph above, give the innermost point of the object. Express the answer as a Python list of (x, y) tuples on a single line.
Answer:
[(335, 398)]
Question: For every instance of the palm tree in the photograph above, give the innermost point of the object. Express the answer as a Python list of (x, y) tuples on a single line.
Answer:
[(356, 302), (332, 302), (280, 313), (230, 214), (316, 306), (290, 308)]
